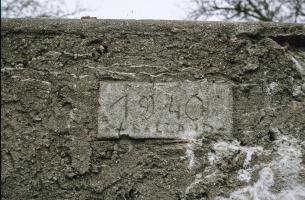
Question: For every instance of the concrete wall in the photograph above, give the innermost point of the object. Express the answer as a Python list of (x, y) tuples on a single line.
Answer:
[(107, 109)]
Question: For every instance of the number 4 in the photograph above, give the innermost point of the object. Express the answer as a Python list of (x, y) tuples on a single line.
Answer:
[(174, 108)]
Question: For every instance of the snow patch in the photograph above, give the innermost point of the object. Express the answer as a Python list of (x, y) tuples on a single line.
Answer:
[(190, 155), (287, 164), (212, 158), (193, 142), (224, 149), (244, 175)]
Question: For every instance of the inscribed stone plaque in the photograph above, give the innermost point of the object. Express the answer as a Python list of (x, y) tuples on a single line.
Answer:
[(173, 110)]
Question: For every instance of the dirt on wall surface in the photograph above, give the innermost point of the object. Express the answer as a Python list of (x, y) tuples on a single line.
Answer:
[(52, 148)]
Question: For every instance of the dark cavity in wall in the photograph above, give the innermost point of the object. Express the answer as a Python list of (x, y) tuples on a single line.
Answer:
[(294, 41)]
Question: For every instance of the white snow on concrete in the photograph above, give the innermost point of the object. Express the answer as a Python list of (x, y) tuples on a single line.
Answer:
[(286, 163), (244, 175), (190, 155), (223, 149)]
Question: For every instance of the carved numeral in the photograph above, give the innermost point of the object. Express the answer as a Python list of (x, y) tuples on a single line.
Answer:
[(196, 105), (174, 107), (124, 99), (148, 105)]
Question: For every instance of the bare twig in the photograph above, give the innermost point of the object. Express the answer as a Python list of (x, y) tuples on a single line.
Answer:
[(262, 10), (38, 8)]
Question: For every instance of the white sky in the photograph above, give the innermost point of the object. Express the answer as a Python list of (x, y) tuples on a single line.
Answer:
[(133, 9)]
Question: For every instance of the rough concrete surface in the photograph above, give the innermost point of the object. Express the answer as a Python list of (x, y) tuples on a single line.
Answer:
[(53, 144)]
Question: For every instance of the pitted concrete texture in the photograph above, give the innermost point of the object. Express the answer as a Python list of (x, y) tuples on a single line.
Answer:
[(91, 109)]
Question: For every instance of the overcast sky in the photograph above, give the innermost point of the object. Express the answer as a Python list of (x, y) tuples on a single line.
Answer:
[(133, 9)]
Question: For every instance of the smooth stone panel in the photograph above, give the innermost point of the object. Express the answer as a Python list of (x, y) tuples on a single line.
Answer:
[(171, 110)]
